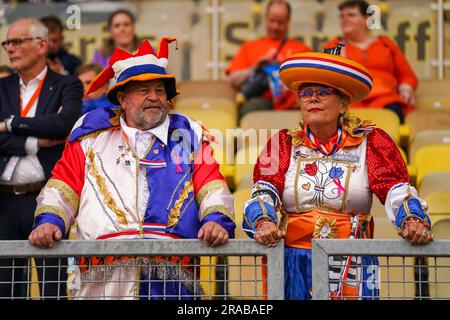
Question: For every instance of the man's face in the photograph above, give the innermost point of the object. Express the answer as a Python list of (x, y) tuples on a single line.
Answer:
[(277, 21), (145, 104), (24, 56), (55, 40)]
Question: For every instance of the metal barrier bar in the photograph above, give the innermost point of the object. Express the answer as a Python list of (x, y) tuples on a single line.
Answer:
[(138, 248), (324, 249)]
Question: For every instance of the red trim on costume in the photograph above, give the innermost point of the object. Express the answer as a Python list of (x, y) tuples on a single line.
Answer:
[(385, 165), (274, 160), (206, 168), (132, 233), (70, 168)]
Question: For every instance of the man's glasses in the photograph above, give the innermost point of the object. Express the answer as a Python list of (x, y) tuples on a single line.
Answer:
[(322, 93), (17, 42)]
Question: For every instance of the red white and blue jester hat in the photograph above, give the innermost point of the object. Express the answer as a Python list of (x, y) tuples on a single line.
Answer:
[(329, 69), (144, 65)]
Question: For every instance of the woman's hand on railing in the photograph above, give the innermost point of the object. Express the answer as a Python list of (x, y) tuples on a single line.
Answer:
[(267, 233)]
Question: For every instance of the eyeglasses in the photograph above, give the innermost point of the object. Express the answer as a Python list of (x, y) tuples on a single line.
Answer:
[(322, 93), (17, 42)]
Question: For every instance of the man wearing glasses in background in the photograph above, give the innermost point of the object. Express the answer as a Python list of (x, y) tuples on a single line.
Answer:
[(38, 108)]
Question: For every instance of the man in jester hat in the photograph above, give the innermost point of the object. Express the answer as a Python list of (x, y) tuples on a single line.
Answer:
[(136, 172)]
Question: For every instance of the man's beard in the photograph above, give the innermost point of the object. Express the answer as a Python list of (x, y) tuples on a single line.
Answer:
[(147, 121)]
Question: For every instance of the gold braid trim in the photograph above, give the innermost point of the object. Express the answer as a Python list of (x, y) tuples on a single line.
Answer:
[(297, 136), (66, 190), (210, 186), (54, 210), (352, 122), (174, 214), (109, 201), (115, 121), (217, 208)]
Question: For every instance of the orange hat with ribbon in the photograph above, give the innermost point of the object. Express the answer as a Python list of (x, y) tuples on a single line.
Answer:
[(144, 65), (327, 68)]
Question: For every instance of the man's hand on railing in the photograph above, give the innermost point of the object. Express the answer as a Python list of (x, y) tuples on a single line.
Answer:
[(45, 235), (212, 234)]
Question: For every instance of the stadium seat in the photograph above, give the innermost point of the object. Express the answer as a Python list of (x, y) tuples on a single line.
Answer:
[(206, 103), (429, 159), (433, 103), (438, 203), (206, 88), (428, 137), (271, 119), (433, 88), (242, 272), (217, 122), (264, 124), (435, 181), (244, 163), (383, 118), (421, 120)]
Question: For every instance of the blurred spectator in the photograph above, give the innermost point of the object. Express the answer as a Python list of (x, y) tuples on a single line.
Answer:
[(5, 71), (59, 60), (87, 73), (121, 27), (394, 81), (38, 108), (272, 48)]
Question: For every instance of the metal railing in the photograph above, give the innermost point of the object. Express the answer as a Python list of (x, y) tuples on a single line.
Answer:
[(404, 271), (240, 263)]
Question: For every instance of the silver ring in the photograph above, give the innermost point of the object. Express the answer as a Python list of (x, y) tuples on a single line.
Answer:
[(425, 232)]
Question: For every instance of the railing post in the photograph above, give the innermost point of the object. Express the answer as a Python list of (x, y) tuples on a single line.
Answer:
[(319, 269), (275, 272)]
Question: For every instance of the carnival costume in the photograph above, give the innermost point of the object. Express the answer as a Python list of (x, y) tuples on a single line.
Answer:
[(325, 191), (122, 183)]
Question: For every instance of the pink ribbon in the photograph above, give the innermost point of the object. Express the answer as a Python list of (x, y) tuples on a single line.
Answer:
[(341, 189)]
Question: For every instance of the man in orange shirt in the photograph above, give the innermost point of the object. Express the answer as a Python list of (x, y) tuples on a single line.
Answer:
[(254, 53), (394, 80)]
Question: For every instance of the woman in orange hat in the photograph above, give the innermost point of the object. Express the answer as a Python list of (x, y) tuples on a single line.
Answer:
[(321, 177)]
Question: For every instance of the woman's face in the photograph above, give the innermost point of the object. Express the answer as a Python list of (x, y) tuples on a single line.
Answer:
[(122, 30), (352, 21), (321, 105)]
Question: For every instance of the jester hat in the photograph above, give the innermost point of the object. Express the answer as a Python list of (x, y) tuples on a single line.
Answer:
[(144, 65)]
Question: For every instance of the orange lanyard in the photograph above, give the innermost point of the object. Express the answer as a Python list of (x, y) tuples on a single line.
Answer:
[(24, 112)]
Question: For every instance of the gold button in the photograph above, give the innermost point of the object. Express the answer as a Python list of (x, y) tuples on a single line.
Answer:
[(156, 151)]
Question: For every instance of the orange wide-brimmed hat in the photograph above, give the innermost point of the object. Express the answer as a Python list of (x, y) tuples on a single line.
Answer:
[(345, 75), (144, 65)]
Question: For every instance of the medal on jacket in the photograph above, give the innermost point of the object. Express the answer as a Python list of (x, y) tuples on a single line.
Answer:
[(144, 162)]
